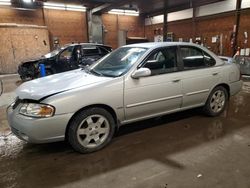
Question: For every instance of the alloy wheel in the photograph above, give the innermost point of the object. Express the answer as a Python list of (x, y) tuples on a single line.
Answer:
[(93, 131)]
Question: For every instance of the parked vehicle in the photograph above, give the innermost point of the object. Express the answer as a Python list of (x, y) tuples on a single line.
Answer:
[(227, 59), (244, 63), (132, 83), (66, 58)]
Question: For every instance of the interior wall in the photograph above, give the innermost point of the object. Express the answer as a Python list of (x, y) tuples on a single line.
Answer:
[(31, 17), (208, 27), (67, 26), (244, 27), (21, 44), (134, 25)]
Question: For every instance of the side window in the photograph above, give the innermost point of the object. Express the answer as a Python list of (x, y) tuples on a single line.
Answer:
[(90, 50), (103, 51), (209, 61), (67, 53), (194, 58), (162, 61)]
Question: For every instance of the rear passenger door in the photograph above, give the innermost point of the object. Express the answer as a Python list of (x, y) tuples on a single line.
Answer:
[(199, 75), (63, 60)]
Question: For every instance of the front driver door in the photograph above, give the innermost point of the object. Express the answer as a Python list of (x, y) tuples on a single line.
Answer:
[(156, 94), (64, 59)]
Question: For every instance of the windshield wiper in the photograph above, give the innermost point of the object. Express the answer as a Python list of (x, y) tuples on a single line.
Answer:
[(95, 72), (86, 69)]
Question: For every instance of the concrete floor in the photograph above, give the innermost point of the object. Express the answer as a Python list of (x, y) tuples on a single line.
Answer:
[(181, 150)]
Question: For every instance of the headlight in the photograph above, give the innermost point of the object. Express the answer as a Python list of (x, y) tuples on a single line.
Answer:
[(37, 110)]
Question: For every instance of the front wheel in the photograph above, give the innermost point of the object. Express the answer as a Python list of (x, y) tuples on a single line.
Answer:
[(49, 72), (91, 130), (216, 102)]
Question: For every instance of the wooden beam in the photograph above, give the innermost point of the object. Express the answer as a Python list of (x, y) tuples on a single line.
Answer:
[(237, 23), (165, 21)]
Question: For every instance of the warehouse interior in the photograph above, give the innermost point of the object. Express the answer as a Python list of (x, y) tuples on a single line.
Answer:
[(212, 23), (185, 149)]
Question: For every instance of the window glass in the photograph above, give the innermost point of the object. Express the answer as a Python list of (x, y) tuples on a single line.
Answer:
[(194, 58), (55, 52), (209, 61), (162, 61), (117, 62), (91, 50), (103, 50), (67, 53)]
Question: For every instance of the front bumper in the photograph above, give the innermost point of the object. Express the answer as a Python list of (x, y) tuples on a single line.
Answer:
[(28, 70), (37, 130)]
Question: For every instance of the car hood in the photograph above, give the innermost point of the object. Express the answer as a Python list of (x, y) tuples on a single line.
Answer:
[(49, 85), (34, 60)]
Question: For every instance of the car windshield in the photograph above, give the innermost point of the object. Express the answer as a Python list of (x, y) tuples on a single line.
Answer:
[(118, 62), (55, 52)]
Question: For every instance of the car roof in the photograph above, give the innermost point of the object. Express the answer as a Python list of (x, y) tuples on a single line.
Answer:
[(161, 44), (95, 44)]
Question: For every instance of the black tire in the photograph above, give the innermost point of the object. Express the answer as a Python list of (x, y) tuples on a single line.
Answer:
[(216, 102), (85, 130)]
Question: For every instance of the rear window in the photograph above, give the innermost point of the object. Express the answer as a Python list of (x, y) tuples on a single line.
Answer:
[(90, 50)]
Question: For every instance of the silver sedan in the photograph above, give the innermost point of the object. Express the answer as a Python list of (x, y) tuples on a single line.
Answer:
[(132, 83)]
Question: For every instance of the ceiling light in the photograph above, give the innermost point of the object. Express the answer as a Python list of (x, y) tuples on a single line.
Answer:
[(28, 1), (5, 2), (60, 6), (53, 4), (124, 12), (75, 8)]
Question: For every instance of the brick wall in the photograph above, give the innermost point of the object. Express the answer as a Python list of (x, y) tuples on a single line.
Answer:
[(244, 26), (212, 26), (68, 26), (23, 43), (134, 26), (208, 27), (8, 15)]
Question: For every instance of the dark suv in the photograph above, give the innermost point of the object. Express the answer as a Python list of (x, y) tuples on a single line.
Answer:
[(68, 57)]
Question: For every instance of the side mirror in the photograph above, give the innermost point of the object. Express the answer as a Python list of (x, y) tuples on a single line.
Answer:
[(142, 72)]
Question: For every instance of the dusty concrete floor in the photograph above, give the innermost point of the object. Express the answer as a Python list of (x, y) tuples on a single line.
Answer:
[(176, 151)]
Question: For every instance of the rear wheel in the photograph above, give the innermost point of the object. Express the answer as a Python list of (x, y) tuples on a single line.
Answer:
[(216, 102), (91, 130)]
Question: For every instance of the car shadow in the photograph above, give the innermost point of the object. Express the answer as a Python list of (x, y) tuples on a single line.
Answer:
[(154, 139)]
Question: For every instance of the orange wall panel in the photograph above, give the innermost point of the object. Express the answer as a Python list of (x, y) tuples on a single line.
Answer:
[(134, 25), (32, 17), (68, 26)]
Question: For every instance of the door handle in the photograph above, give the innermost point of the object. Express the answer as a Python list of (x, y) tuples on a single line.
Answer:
[(215, 73), (176, 80)]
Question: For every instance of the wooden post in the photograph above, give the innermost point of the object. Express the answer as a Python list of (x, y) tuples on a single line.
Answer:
[(237, 23), (165, 21)]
